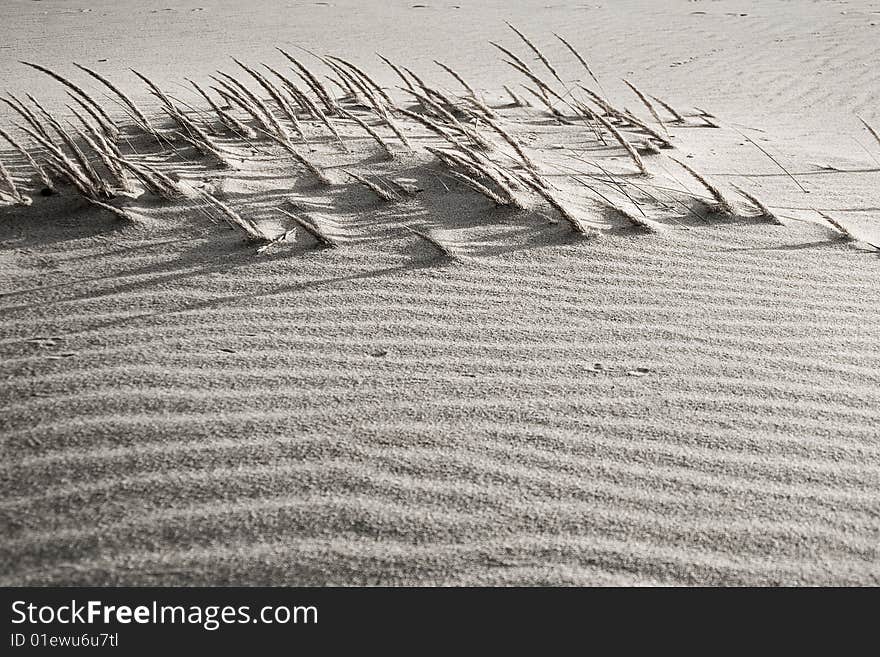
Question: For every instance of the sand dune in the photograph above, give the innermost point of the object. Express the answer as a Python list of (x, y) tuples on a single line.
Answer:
[(693, 405)]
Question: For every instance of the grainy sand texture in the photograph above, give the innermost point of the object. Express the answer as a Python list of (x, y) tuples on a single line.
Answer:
[(325, 322)]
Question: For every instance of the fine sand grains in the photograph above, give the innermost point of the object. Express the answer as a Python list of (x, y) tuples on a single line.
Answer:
[(459, 391)]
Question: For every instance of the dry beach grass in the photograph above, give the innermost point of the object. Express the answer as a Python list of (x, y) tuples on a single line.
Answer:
[(328, 317)]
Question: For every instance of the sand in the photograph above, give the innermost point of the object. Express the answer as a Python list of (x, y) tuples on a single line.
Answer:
[(695, 405)]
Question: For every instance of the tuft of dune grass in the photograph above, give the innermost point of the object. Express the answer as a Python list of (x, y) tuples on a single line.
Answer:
[(721, 204), (312, 228), (442, 249), (79, 91)]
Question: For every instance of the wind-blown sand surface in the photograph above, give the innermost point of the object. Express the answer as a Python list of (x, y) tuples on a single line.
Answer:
[(695, 405)]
